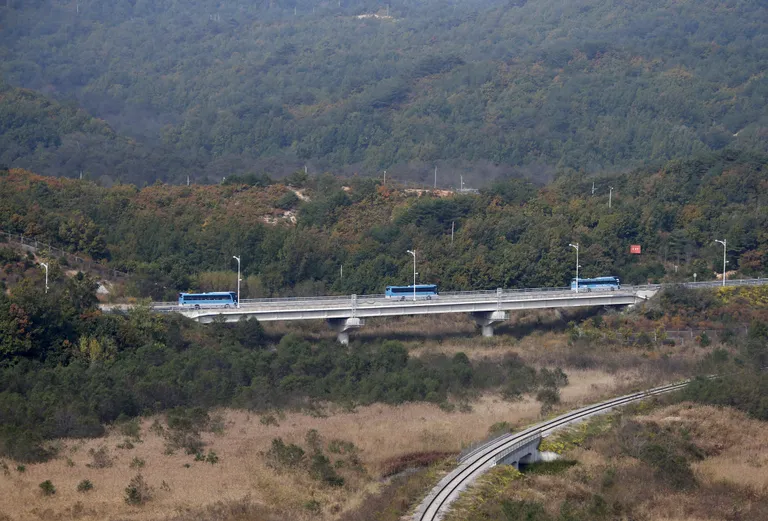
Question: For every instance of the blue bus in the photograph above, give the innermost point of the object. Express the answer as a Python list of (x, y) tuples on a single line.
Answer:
[(599, 283), (423, 291), (215, 299)]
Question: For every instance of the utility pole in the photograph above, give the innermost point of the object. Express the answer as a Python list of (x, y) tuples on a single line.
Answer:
[(187, 180), (452, 225), (341, 273), (593, 188), (385, 177), (238, 280), (435, 186), (44, 265), (610, 194)]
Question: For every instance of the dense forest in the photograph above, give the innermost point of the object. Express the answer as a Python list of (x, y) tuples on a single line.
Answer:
[(208, 89), (294, 238)]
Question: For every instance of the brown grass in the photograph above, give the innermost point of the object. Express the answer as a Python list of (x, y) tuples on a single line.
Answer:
[(732, 479), (241, 482), (736, 446)]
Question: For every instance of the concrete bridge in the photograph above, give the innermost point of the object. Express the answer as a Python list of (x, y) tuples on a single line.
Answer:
[(344, 314), (487, 308)]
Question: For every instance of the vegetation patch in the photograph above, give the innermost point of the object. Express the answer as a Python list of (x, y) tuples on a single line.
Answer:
[(577, 435), (412, 460), (548, 467)]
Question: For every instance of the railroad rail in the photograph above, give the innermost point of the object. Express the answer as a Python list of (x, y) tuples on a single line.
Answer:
[(483, 458)]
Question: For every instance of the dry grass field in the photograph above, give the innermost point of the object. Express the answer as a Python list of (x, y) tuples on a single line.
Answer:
[(184, 487), (241, 486), (729, 461)]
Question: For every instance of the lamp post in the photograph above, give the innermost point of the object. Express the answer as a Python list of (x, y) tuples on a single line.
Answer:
[(610, 196), (414, 273), (576, 247), (238, 279), (724, 242), (44, 265)]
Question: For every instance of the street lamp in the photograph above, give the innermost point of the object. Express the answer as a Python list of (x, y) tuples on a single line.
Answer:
[(414, 273), (238, 279), (576, 247), (610, 195), (44, 265), (724, 242)]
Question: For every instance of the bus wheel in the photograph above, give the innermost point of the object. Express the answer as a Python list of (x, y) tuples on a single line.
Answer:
[(226, 306), (197, 306), (429, 297)]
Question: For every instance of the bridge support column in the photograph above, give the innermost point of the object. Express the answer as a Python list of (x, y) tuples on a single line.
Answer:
[(343, 325), (486, 319)]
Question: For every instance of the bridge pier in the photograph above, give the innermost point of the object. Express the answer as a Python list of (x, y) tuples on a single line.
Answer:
[(486, 319), (343, 325)]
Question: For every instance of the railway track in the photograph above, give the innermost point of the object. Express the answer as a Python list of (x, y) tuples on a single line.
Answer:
[(481, 459)]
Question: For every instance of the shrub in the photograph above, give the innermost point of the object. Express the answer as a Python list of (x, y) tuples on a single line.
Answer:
[(131, 429), (499, 428), (212, 458), (137, 463), (191, 442), (269, 419), (157, 428), (84, 486), (138, 491), (524, 511), (341, 447), (287, 201), (47, 488), (313, 506), (101, 458), (549, 397), (188, 420), (23, 445), (280, 454), (321, 470), (314, 441)]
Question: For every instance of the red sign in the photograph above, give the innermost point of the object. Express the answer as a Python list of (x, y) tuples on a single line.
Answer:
[(634, 249)]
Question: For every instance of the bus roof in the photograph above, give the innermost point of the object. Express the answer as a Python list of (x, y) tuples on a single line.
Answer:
[(424, 286), (222, 293)]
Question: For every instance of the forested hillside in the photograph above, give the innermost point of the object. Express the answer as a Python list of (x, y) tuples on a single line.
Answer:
[(293, 240), (61, 139), (526, 85)]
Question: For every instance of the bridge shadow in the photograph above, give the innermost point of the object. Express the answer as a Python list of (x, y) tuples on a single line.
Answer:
[(444, 328), (555, 325)]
